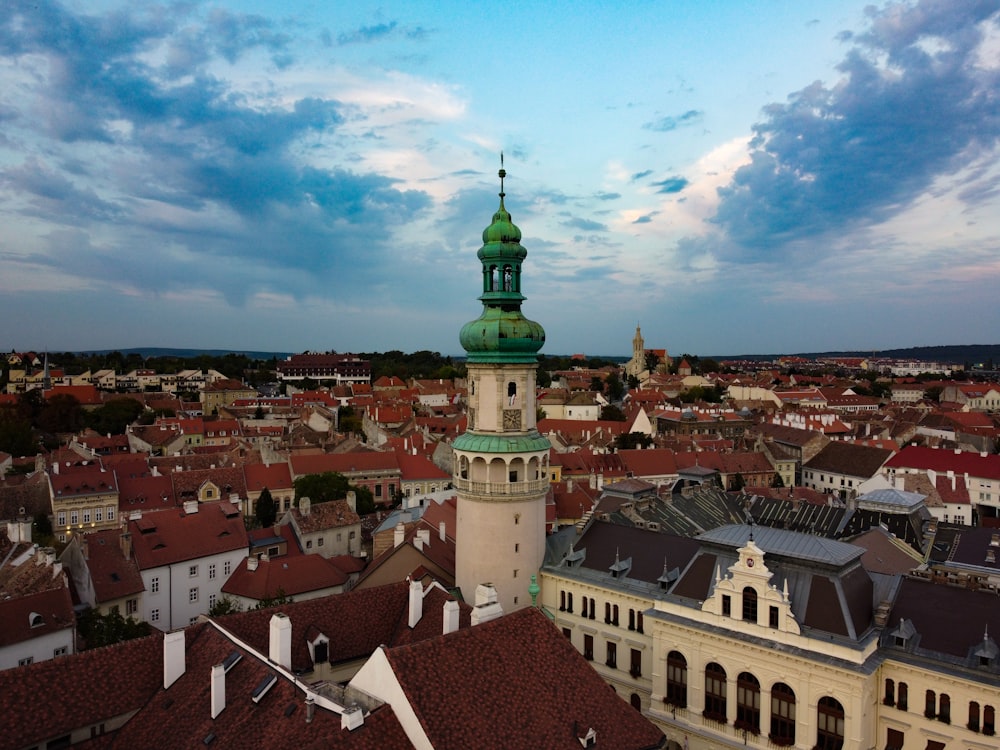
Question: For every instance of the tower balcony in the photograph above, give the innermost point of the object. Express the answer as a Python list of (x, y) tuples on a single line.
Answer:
[(503, 489)]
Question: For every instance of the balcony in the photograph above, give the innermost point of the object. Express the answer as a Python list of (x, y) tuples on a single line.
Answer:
[(508, 489)]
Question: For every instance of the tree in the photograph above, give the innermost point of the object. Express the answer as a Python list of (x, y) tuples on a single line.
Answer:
[(348, 421), (777, 481), (114, 416), (266, 510), (542, 378), (612, 413), (103, 630), (616, 389), (652, 361), (596, 384), (61, 413), (16, 437), (224, 606), (277, 600), (632, 440), (321, 488), (738, 482)]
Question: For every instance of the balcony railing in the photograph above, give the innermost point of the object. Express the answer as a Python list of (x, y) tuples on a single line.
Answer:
[(510, 489)]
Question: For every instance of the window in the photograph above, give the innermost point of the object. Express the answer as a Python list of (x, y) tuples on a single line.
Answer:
[(74, 517), (515, 573), (588, 647), (98, 515), (638, 622), (568, 632), (635, 663), (61, 518), (607, 612), (830, 724), (989, 719), (727, 605), (86, 515), (614, 615), (61, 651), (192, 571), (677, 679), (193, 594), (612, 655), (111, 513), (944, 708), (782, 714), (894, 740), (211, 571), (309, 544), (749, 604), (715, 692), (902, 696), (631, 619), (930, 704), (889, 698), (517, 547), (154, 585), (378, 490), (131, 607), (773, 617), (25, 661), (569, 602), (227, 568), (154, 615), (562, 601), (211, 600), (748, 703), (973, 716)]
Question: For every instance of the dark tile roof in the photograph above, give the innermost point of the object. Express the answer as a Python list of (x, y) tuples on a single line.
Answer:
[(112, 574), (357, 622), (521, 663), (171, 536), (848, 458), (79, 690)]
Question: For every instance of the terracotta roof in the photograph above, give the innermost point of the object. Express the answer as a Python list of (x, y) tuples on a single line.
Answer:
[(173, 536), (292, 575), (102, 683), (849, 459), (53, 604), (377, 616), (521, 662), (941, 461), (75, 481), (145, 492), (330, 515), (229, 481), (112, 574), (344, 463), (273, 476)]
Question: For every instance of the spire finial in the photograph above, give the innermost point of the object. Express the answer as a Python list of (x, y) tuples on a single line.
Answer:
[(502, 173)]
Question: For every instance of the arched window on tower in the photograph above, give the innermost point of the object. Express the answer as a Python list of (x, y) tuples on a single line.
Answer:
[(511, 393), (508, 279), (493, 279)]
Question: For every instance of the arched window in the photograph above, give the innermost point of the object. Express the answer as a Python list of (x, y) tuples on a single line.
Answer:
[(715, 692), (607, 613), (636, 702), (830, 724), (750, 604), (944, 708), (989, 719), (511, 393), (562, 601), (677, 679), (614, 615), (930, 704), (782, 714), (569, 602), (890, 693), (973, 716), (748, 703), (902, 696)]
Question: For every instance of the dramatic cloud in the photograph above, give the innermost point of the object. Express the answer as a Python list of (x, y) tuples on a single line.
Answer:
[(917, 100), (671, 185)]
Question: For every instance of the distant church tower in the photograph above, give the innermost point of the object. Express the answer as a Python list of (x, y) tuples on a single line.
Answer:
[(501, 462), (637, 365)]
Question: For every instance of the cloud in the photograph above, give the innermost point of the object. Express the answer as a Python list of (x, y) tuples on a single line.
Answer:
[(602, 196), (640, 175), (585, 225), (671, 184), (915, 102), (666, 124), (367, 34)]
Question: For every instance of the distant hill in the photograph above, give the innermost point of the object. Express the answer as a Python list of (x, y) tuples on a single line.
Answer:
[(153, 351), (952, 354)]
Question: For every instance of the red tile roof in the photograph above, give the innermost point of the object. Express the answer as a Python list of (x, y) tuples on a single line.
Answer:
[(174, 536), (288, 575), (942, 461), (112, 574), (273, 476), (344, 463), (520, 661)]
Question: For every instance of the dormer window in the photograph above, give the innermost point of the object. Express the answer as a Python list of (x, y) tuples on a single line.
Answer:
[(35, 620)]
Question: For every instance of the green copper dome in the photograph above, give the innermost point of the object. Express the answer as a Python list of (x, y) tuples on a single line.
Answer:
[(502, 334)]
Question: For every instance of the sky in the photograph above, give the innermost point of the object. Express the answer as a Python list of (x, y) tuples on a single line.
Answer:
[(733, 177)]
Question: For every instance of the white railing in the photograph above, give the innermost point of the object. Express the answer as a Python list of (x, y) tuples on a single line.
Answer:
[(532, 487)]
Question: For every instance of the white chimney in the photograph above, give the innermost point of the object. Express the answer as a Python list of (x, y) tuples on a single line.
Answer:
[(398, 534), (352, 500), (416, 603), (569, 485), (280, 650), (190, 507), (451, 613), (352, 718), (218, 689), (305, 506), (252, 563), (487, 607), (443, 531), (424, 535), (173, 657)]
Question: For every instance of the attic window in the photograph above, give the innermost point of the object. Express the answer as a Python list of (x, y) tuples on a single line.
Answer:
[(263, 686), (232, 660), (36, 620)]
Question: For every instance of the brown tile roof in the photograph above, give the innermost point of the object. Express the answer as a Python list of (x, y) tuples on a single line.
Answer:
[(112, 574), (357, 622), (291, 575), (330, 515), (344, 463), (849, 458), (79, 690), (521, 662), (228, 479), (173, 536), (273, 476), (54, 604), (30, 493)]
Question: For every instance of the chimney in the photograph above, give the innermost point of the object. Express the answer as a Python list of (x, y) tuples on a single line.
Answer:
[(305, 506), (310, 708), (352, 500), (569, 485), (487, 607), (416, 602), (352, 718), (173, 657), (442, 531), (55, 467), (450, 617), (252, 563), (190, 507), (126, 545), (398, 534), (280, 650), (424, 535), (600, 481), (218, 689)]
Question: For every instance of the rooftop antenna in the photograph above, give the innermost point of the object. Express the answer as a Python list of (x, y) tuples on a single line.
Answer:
[(502, 173)]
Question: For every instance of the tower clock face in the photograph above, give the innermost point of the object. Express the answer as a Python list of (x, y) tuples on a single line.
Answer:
[(511, 419)]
